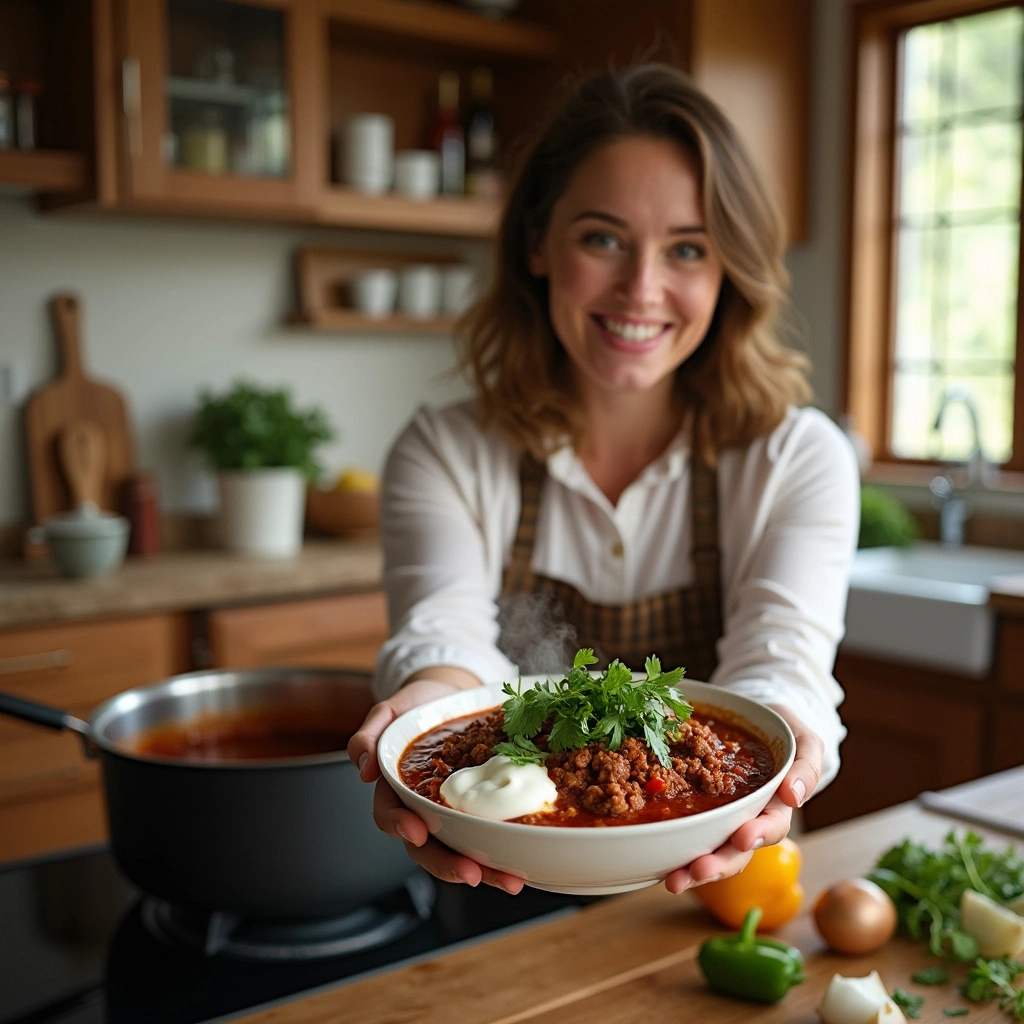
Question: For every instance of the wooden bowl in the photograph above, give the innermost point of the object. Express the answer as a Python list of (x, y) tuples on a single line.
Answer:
[(340, 513)]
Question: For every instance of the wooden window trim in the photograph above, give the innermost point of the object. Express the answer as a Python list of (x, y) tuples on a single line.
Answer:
[(870, 295)]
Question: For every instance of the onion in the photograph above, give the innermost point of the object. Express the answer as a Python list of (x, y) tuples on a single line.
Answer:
[(855, 916)]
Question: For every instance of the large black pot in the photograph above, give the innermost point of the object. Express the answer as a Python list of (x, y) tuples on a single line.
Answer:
[(281, 839)]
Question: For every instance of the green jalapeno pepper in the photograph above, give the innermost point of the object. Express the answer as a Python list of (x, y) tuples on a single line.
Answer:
[(744, 966)]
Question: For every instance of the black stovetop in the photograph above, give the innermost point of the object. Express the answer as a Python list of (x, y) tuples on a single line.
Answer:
[(75, 948)]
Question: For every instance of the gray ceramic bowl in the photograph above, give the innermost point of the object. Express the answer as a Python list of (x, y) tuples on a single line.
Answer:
[(85, 542)]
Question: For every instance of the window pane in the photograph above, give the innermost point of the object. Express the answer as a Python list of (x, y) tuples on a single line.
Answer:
[(986, 167), (958, 234), (988, 49)]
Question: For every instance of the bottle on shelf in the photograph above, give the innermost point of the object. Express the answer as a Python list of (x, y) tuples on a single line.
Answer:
[(483, 178), (26, 112), (446, 137), (6, 112)]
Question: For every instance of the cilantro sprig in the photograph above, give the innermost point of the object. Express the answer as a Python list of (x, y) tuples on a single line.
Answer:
[(926, 886), (586, 710), (908, 1003), (994, 979)]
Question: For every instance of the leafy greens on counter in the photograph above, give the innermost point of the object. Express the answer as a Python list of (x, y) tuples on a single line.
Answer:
[(926, 886), (587, 710)]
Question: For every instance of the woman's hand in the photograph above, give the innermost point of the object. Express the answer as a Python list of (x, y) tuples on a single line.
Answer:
[(771, 825), (392, 816)]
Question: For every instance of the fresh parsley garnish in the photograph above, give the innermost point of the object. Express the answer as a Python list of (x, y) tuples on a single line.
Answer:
[(993, 979), (584, 709), (931, 976), (955, 1011), (908, 1003), (926, 886)]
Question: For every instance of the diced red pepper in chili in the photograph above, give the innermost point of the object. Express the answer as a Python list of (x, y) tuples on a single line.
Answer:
[(654, 786)]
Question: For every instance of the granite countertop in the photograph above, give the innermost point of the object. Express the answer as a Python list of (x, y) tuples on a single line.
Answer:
[(35, 593)]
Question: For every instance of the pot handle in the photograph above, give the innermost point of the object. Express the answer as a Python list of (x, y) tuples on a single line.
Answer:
[(43, 714)]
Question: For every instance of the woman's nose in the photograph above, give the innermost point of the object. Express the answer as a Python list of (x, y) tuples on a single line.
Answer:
[(642, 280)]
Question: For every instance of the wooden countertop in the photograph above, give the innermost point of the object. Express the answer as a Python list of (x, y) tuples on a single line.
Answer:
[(1006, 595), (37, 593), (632, 958)]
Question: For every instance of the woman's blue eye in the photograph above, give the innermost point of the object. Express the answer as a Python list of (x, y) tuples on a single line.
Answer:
[(688, 251), (600, 240)]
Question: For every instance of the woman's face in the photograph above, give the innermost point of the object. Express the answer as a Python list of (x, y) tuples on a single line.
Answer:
[(633, 278)]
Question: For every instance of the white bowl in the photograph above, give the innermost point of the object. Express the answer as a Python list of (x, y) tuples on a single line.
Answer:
[(587, 861)]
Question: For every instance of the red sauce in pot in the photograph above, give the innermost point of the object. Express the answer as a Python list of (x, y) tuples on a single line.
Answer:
[(247, 736)]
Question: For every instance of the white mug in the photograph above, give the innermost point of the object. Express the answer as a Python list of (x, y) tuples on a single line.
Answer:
[(417, 173), (419, 290), (458, 288), (374, 291), (368, 153)]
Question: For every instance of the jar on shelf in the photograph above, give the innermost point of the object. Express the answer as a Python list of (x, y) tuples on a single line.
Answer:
[(6, 112), (26, 112), (204, 144)]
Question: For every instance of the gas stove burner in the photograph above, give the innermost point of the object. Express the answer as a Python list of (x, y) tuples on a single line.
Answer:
[(218, 933)]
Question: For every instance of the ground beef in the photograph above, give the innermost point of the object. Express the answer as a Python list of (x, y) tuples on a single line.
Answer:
[(605, 783)]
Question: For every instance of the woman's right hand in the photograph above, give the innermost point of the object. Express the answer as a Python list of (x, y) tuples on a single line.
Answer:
[(393, 817)]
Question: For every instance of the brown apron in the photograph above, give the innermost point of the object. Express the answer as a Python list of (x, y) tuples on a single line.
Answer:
[(544, 621)]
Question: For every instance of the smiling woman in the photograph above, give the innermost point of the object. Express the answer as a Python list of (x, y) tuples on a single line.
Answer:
[(634, 474)]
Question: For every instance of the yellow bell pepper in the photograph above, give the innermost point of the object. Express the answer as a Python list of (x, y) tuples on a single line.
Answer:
[(771, 881)]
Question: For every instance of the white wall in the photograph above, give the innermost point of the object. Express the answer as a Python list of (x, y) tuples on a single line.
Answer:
[(170, 307)]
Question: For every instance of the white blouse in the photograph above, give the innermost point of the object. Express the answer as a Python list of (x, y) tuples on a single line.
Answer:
[(788, 520)]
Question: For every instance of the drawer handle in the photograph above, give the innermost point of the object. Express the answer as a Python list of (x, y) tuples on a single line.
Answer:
[(35, 662)]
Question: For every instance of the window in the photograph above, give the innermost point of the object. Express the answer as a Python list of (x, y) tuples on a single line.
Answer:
[(936, 240)]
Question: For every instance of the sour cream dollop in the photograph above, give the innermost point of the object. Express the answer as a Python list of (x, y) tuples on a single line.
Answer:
[(499, 789)]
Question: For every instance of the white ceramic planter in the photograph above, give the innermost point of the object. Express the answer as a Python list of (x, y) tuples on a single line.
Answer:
[(262, 511)]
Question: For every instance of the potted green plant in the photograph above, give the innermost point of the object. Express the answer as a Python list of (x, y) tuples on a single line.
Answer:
[(263, 451)]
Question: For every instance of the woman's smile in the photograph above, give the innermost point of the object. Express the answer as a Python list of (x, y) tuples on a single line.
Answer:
[(629, 334)]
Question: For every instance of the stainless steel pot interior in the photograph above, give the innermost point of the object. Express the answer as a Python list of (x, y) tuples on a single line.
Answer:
[(118, 721)]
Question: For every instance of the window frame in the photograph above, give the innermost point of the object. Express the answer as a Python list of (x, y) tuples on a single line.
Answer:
[(871, 232)]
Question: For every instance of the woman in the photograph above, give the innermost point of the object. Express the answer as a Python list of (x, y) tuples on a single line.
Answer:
[(634, 474)]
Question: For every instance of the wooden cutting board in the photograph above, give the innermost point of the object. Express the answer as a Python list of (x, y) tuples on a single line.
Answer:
[(69, 400)]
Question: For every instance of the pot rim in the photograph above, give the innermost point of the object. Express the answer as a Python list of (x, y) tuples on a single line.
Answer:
[(205, 680)]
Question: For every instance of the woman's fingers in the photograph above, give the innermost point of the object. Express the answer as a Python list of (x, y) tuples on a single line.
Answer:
[(802, 778), (396, 820)]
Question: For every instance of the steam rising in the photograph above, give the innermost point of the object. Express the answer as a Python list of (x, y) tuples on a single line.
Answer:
[(535, 635)]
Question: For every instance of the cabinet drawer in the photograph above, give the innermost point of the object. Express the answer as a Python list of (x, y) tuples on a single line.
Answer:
[(74, 667), (342, 631)]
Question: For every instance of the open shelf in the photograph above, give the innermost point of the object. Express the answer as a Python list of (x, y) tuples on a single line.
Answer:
[(389, 21), (44, 170), (470, 218), (349, 320)]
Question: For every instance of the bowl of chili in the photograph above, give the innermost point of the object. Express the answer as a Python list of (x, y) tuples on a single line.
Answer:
[(607, 845)]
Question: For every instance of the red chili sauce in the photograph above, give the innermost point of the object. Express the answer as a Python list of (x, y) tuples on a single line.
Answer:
[(247, 736), (717, 761)]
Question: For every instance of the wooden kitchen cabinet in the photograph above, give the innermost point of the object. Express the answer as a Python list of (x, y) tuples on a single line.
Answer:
[(338, 631), (50, 795), (147, 67), (909, 730)]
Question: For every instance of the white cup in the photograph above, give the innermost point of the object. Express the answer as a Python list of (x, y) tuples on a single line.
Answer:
[(419, 290), (368, 153), (458, 288), (374, 291), (417, 173)]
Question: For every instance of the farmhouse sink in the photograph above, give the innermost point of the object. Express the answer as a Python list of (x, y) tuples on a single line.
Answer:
[(927, 605)]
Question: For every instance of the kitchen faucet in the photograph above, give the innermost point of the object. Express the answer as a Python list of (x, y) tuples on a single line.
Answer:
[(952, 506)]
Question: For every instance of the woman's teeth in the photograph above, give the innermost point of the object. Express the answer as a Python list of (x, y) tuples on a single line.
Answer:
[(632, 332)]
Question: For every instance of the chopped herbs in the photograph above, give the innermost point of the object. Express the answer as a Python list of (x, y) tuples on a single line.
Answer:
[(908, 1003), (926, 886), (994, 979), (955, 1011), (931, 976), (588, 710)]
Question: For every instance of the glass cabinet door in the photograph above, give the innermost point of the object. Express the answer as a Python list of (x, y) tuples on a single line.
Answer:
[(211, 89), (228, 105)]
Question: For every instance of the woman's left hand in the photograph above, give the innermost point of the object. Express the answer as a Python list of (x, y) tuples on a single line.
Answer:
[(771, 825)]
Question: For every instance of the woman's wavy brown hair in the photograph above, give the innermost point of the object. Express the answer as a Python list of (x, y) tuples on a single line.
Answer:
[(741, 379)]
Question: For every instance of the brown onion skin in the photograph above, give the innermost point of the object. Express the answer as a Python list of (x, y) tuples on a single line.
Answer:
[(855, 916)]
